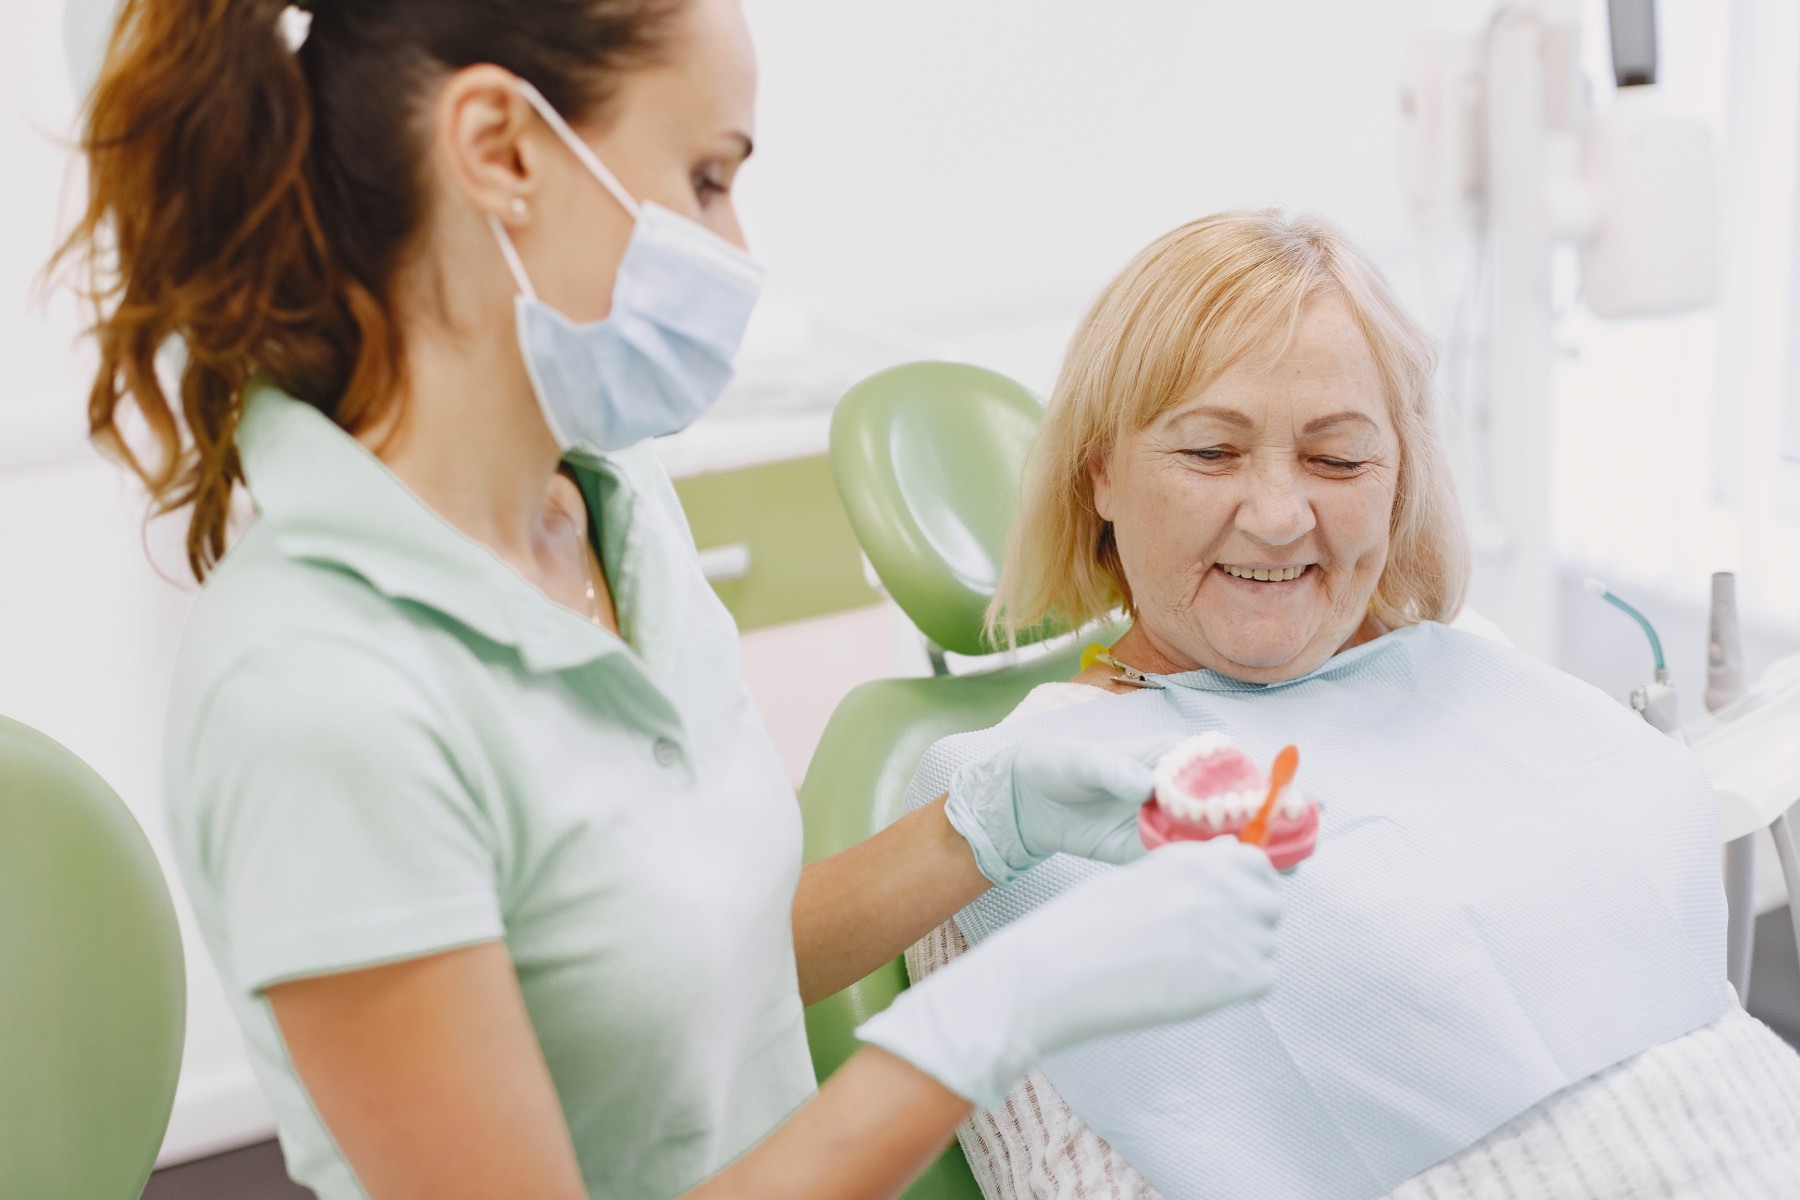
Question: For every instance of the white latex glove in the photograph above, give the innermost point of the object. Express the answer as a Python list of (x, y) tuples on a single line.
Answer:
[(1055, 796), (1189, 928)]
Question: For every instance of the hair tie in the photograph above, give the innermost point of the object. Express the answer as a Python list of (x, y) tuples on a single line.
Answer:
[(294, 23)]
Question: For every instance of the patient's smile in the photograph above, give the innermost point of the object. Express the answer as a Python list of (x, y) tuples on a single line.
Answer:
[(1266, 574)]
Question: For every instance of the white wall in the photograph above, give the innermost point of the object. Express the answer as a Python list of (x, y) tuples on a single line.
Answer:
[(968, 171), (946, 164), (87, 625)]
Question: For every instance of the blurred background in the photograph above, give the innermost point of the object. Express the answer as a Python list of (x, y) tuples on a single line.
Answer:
[(954, 179)]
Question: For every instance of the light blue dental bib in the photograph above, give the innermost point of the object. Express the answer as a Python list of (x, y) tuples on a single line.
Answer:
[(1516, 886)]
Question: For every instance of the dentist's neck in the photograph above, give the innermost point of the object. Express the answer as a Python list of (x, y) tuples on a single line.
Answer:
[(467, 436)]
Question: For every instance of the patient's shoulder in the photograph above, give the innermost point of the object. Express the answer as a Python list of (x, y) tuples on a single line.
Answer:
[(1048, 697), (1049, 710)]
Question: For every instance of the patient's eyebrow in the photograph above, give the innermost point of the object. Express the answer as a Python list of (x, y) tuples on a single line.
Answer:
[(1212, 412), (1346, 417)]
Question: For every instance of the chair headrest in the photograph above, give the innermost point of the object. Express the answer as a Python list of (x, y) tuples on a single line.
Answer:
[(928, 457)]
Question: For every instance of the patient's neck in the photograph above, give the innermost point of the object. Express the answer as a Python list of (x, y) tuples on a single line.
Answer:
[(1141, 650)]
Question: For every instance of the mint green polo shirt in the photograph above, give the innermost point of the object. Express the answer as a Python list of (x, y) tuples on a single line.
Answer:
[(384, 743)]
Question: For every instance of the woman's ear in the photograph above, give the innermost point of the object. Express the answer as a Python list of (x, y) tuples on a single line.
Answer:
[(1102, 484), (487, 141)]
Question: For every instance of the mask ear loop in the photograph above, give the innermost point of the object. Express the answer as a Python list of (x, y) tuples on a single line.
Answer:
[(511, 254), (577, 147)]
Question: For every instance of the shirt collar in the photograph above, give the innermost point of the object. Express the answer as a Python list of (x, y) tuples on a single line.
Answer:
[(330, 500)]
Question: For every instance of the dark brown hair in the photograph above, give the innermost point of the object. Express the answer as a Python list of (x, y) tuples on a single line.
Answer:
[(248, 205)]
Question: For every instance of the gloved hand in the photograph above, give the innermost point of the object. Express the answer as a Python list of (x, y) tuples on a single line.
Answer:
[(1187, 929), (1049, 796)]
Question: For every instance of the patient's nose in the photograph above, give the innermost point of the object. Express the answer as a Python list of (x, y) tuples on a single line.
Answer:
[(1275, 509)]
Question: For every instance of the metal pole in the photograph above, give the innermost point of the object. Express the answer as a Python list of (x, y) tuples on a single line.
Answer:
[(1515, 580), (1740, 902), (1783, 834)]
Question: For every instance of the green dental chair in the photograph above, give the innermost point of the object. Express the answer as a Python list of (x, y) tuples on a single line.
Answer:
[(927, 459), (92, 984)]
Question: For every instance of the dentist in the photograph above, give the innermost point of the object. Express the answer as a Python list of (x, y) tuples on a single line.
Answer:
[(493, 854)]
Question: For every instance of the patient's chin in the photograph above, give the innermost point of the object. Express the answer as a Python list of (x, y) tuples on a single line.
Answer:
[(1264, 655), (1268, 668)]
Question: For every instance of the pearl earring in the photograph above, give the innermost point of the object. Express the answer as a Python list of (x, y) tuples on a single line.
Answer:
[(518, 207)]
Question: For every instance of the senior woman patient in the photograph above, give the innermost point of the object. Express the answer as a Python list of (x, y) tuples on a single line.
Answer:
[(1502, 970)]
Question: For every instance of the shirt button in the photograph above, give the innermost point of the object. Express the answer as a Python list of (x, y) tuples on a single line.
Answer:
[(667, 752)]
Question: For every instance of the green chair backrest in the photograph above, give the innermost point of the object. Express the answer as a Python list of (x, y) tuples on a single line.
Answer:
[(927, 459), (92, 984)]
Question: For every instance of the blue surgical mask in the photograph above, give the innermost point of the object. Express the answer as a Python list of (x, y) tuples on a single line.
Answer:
[(663, 355)]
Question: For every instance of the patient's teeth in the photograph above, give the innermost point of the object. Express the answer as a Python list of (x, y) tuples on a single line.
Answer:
[(1271, 574)]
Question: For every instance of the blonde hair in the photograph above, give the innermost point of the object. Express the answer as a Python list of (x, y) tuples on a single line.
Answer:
[(1191, 304)]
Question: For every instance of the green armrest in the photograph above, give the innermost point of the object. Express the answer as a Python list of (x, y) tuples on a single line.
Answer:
[(856, 786)]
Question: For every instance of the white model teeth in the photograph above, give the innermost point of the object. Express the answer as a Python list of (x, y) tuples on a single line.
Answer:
[(1168, 793), (1278, 575), (1218, 811), (1234, 808)]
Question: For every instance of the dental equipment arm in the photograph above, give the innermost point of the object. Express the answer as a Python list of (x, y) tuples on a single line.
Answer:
[(1725, 684), (1751, 749)]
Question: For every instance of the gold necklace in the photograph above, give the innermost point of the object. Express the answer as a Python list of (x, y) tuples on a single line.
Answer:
[(590, 569), (590, 560)]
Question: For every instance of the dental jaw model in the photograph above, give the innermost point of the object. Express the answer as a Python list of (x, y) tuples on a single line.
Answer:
[(1206, 787)]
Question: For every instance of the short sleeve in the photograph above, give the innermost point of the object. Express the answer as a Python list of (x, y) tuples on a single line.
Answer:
[(335, 829)]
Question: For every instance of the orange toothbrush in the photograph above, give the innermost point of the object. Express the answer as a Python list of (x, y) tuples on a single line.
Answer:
[(1280, 775)]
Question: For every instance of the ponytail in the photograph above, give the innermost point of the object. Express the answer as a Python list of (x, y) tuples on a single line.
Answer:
[(248, 205), (199, 226)]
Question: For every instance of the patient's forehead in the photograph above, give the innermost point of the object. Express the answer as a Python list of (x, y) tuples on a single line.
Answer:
[(1324, 380)]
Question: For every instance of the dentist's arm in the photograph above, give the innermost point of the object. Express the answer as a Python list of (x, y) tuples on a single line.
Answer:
[(862, 906), (429, 1076), (1188, 930)]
